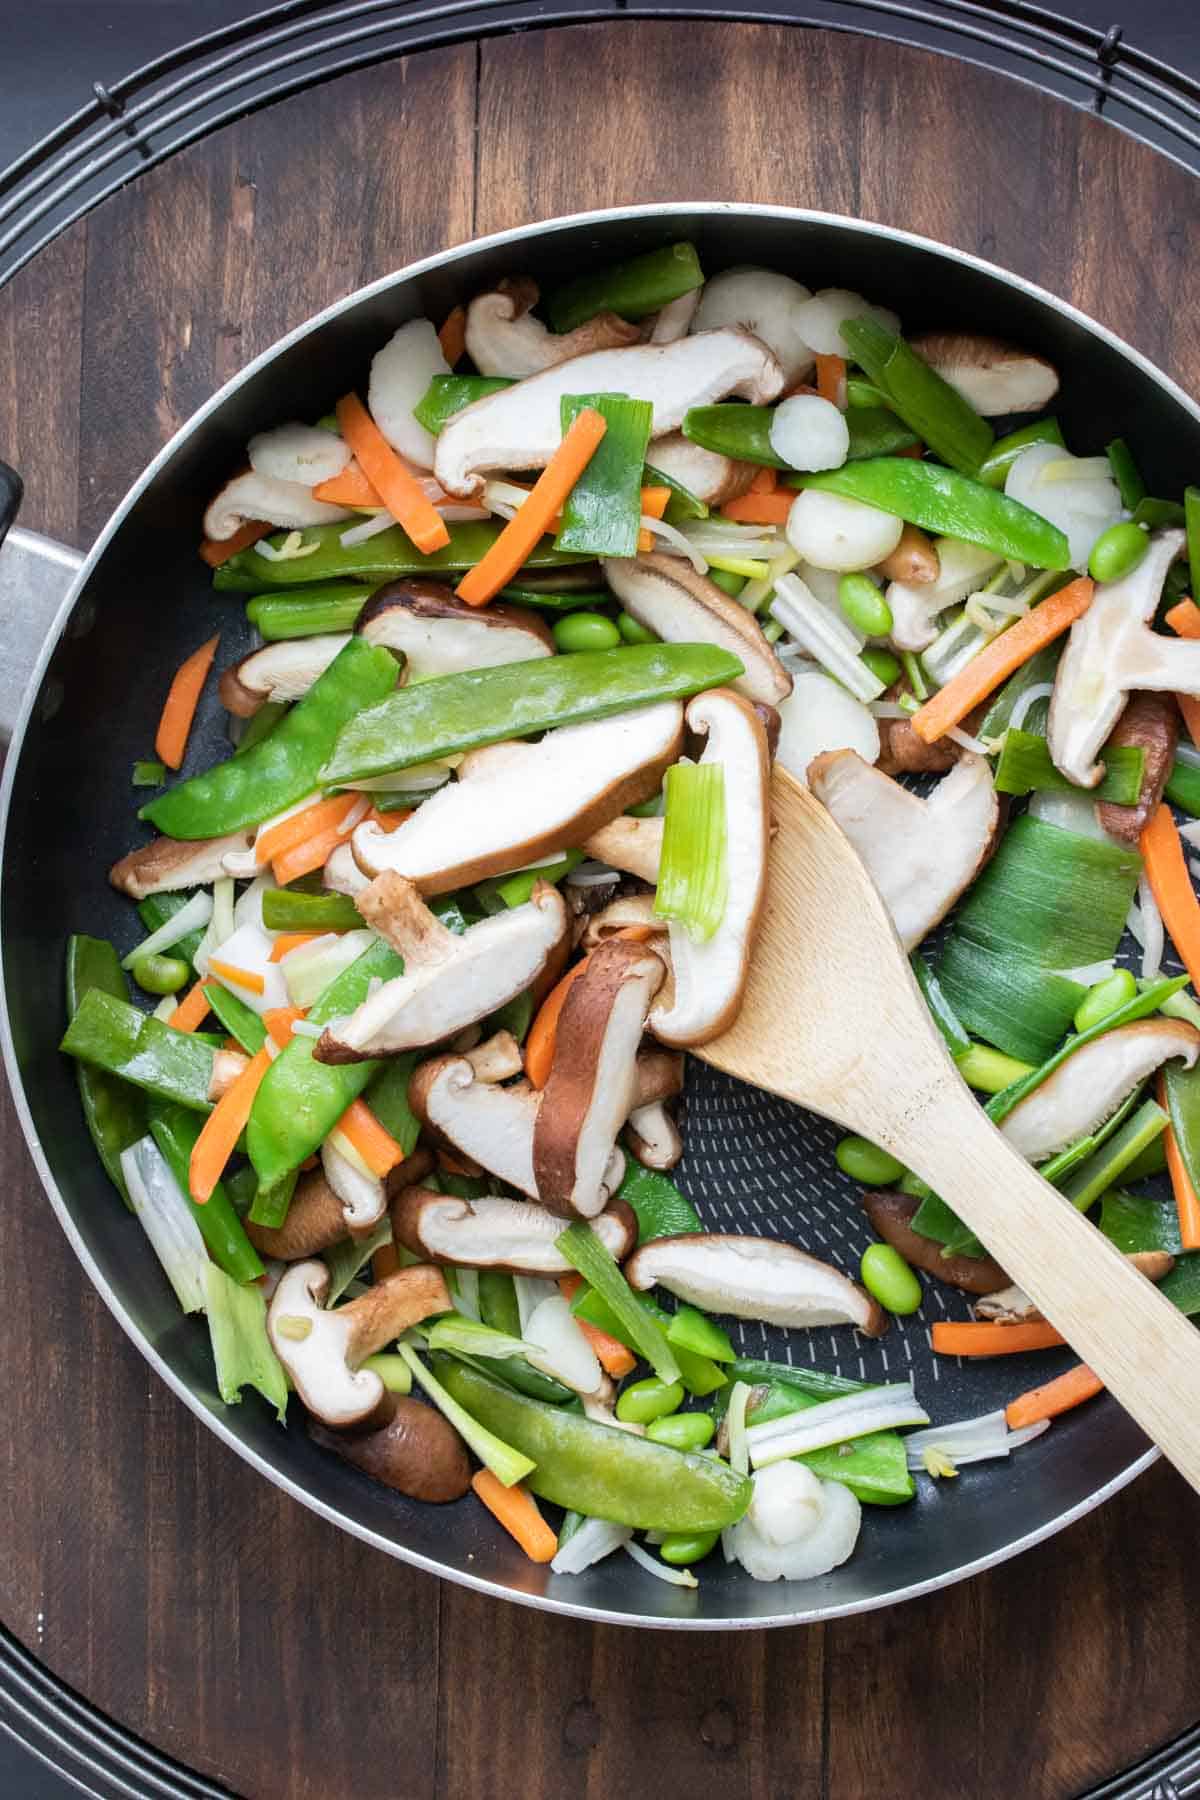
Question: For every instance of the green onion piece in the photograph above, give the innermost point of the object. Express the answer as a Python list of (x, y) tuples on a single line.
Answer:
[(331, 606), (662, 1211), (1183, 785), (915, 672), (110, 1034), (387, 1097), (816, 1383), (346, 1260), (515, 1017), (506, 1464), (693, 878), (1069, 1159), (242, 1353), (1159, 515), (1110, 1162), (290, 909), (1005, 451), (452, 1331), (498, 1302), (1007, 999), (447, 395), (1181, 1006), (1191, 515), (933, 409), (699, 1375), (175, 1130), (584, 1251), (515, 890), (988, 1070), (271, 1203), (239, 1020), (1151, 1162), (873, 1467), (690, 1329), (1125, 473), (1183, 1104), (1039, 670), (683, 504), (944, 1015), (728, 584), (148, 774), (1025, 765), (514, 1372), (631, 289), (602, 513), (949, 503)]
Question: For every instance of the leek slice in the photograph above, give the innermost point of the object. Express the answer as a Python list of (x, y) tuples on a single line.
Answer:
[(602, 514), (1100, 1171), (693, 878), (1025, 765), (507, 1465), (584, 1251)]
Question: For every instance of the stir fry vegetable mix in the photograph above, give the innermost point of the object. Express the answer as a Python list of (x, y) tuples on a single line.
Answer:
[(491, 851)]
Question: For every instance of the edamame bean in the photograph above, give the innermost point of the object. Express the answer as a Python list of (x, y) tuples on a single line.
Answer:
[(864, 605), (648, 1400), (632, 632), (882, 664), (886, 1275), (682, 1431), (585, 631), (682, 1547), (864, 1161), (1104, 998), (160, 974), (1117, 551)]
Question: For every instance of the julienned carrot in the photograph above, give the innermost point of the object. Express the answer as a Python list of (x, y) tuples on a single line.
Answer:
[(223, 1127), (612, 1355), (453, 335), (1185, 620), (287, 941), (1047, 621), (530, 522), (216, 551), (760, 509), (300, 826), (831, 380), (1187, 1201), (517, 1511), (1058, 1396), (979, 1337), (192, 1010), (313, 854), (655, 501), (399, 490), (1171, 885), (179, 708), (350, 488), (250, 979), (387, 821), (765, 481), (279, 1021), (541, 1036), (377, 1147)]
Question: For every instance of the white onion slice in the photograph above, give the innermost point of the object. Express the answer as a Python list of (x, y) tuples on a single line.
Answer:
[(167, 1221), (970, 1440), (673, 536), (1041, 690), (367, 528), (591, 1543), (809, 433)]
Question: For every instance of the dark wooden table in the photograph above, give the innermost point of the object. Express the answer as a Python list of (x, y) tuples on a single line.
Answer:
[(139, 1558)]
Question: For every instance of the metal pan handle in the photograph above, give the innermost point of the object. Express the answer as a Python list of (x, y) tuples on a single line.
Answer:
[(35, 577)]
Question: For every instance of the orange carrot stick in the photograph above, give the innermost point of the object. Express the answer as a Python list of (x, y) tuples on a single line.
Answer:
[(249, 979), (517, 1511), (1058, 1396), (350, 488), (399, 490), (1185, 620), (979, 1337), (453, 335), (1167, 872), (1187, 1201), (387, 821), (183, 697), (192, 1010), (377, 1147), (287, 941), (765, 482), (613, 1356), (831, 380), (306, 857), (322, 815), (531, 520), (655, 501), (223, 1127), (760, 509), (216, 551), (1047, 621), (279, 1021)]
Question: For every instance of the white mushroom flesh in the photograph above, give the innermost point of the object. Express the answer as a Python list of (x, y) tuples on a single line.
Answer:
[(491, 1125), (667, 596), (504, 338), (633, 845), (994, 377), (253, 496), (820, 715), (342, 875), (707, 474), (822, 317), (763, 302), (653, 1136), (613, 1092), (1083, 509), (796, 1527), (674, 320), (835, 533), (753, 1278), (363, 1197), (303, 454), (493, 1233), (1090, 1085), (316, 1358), (286, 670), (449, 646), (915, 606), (921, 854), (400, 376)]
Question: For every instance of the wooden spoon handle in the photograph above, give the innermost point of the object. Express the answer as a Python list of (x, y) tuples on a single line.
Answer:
[(1144, 1350)]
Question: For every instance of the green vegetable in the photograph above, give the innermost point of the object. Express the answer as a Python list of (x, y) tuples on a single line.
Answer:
[(934, 1219), (1180, 1005), (989, 1071), (271, 1204), (584, 1251), (744, 433), (1151, 1162), (602, 513), (515, 1372), (1103, 998), (515, 1017), (882, 664), (299, 1100), (112, 1035), (384, 557), (1005, 451), (728, 584), (600, 1472), (935, 411), (699, 1375), (863, 1161), (1035, 673), (155, 910), (693, 876), (690, 1329), (1183, 1104), (1138, 1222), (630, 289), (864, 605), (284, 767), (447, 395), (113, 1111), (453, 1331), (304, 612), (1183, 783), (290, 909), (160, 974), (347, 1259), (816, 1383), (1025, 765), (586, 631), (387, 1096), (943, 501), (506, 1461), (175, 1131), (240, 1021), (650, 1399), (861, 393), (632, 632), (1191, 518), (944, 1016), (682, 1430), (242, 1353), (1126, 474), (1103, 1170), (392, 1370), (488, 706), (873, 1467), (514, 890), (1013, 1003), (1117, 551), (679, 1548), (260, 726), (876, 431), (148, 774), (662, 1211), (1159, 515), (565, 602), (498, 1302), (915, 672), (886, 1275), (683, 504)]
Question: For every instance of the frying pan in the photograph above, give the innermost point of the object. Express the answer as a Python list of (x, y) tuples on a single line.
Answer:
[(142, 600)]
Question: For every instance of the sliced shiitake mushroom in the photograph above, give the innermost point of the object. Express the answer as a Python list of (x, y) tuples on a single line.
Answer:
[(891, 1215), (754, 1278), (411, 1448)]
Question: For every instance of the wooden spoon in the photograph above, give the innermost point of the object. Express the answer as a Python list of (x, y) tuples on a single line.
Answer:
[(834, 1020)]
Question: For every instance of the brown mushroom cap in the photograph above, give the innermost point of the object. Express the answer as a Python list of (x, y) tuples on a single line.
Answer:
[(414, 1450), (891, 1216), (665, 594), (279, 671), (518, 1236), (903, 752), (754, 1278), (165, 864), (438, 634), (1150, 722), (1091, 1084)]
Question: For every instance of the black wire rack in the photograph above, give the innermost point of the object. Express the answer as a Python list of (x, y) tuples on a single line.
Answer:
[(139, 120)]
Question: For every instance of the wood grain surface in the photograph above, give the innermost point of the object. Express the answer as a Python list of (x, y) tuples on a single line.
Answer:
[(140, 1559)]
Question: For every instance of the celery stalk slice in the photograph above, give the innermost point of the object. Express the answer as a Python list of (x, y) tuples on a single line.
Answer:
[(693, 879)]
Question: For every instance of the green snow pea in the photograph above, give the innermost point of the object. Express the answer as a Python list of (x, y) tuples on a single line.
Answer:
[(498, 1302), (744, 432), (1183, 1104), (240, 1021), (1125, 473), (175, 1131), (699, 1374), (683, 504), (487, 706), (387, 1096), (631, 289), (382, 558), (662, 1211), (936, 412), (114, 1112), (874, 1467), (1005, 451), (1103, 998), (284, 767), (299, 1100), (291, 909), (331, 606), (603, 1473), (1191, 515), (449, 394), (260, 726), (112, 1035), (690, 1329)]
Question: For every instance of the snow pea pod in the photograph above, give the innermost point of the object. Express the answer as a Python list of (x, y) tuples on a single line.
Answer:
[(874, 1468), (331, 606), (937, 412), (946, 502), (175, 1131), (112, 1035), (488, 706), (284, 767), (382, 558), (239, 1020), (595, 1470), (1005, 451), (744, 432), (662, 1211), (114, 1112), (291, 909), (631, 289), (447, 395), (299, 1100)]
